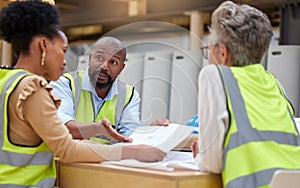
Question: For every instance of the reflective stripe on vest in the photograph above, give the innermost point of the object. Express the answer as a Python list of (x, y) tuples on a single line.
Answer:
[(75, 84), (45, 183), (21, 166), (250, 135)]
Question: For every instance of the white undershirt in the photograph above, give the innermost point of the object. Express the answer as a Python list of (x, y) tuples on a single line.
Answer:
[(213, 120)]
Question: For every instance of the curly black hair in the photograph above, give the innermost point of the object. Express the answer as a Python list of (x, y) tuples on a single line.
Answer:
[(20, 21)]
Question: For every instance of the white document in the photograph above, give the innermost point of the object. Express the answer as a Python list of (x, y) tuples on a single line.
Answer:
[(164, 138), (173, 160)]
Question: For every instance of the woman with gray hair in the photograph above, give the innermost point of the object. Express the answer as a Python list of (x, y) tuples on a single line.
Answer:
[(247, 129)]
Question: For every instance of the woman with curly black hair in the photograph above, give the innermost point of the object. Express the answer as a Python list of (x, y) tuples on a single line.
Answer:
[(31, 133)]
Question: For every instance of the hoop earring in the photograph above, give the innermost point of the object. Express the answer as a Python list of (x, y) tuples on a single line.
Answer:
[(43, 58)]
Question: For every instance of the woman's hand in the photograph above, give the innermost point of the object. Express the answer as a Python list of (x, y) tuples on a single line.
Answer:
[(194, 148), (141, 152)]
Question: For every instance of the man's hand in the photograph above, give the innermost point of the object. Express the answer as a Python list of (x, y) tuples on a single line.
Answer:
[(111, 133), (161, 122)]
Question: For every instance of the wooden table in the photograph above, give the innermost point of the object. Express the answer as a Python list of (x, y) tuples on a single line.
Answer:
[(89, 175)]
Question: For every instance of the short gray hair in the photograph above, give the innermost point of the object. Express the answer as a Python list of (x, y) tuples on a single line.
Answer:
[(245, 30)]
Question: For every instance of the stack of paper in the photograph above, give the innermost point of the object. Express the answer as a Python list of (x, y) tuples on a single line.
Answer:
[(173, 160), (164, 138)]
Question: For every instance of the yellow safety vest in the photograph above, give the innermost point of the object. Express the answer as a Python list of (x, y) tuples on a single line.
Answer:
[(262, 136), (21, 166), (83, 103)]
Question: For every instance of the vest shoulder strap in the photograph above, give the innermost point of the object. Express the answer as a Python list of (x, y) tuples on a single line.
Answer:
[(75, 85), (120, 104)]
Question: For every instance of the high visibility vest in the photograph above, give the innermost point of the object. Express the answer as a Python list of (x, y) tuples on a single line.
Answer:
[(21, 166), (262, 136), (83, 102)]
